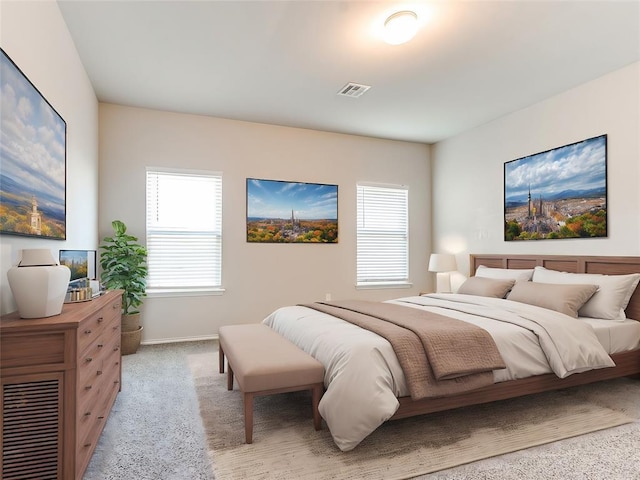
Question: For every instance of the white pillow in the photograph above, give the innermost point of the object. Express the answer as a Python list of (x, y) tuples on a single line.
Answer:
[(612, 297), (504, 273)]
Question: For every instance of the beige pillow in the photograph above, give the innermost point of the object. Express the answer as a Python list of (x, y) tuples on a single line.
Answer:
[(612, 297), (564, 298), (486, 287), (516, 274)]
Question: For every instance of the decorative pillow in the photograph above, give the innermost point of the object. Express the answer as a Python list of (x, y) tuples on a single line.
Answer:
[(565, 298), (612, 297), (504, 273), (486, 287)]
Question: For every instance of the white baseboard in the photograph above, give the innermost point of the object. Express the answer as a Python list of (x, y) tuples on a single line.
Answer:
[(180, 339)]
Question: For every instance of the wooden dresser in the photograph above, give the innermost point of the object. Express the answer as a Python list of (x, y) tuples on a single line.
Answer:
[(60, 377)]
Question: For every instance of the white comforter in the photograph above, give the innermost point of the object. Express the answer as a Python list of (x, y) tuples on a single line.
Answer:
[(363, 378)]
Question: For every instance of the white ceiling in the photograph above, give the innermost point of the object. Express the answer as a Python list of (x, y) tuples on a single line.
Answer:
[(282, 62)]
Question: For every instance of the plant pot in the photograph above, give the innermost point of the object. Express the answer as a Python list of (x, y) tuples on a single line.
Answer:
[(130, 341), (130, 323)]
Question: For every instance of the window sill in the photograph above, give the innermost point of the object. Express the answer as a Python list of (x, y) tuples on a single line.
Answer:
[(382, 285), (176, 292)]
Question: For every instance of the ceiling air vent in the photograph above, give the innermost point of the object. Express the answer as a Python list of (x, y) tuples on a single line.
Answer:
[(353, 90)]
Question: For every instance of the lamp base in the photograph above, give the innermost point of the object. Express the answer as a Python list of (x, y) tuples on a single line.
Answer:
[(443, 282), (39, 291)]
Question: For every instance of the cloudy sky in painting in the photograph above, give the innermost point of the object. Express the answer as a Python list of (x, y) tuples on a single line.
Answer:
[(276, 199), (32, 147), (579, 166)]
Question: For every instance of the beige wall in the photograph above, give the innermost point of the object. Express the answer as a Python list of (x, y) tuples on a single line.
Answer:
[(35, 37), (467, 173), (257, 277), (468, 169)]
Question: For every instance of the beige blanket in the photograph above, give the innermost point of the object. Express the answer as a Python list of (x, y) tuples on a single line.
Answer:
[(439, 355)]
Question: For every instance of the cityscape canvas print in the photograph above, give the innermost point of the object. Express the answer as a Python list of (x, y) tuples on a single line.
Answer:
[(33, 159), (291, 212), (560, 193), (82, 263)]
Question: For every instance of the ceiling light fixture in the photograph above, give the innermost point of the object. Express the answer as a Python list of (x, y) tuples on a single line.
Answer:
[(400, 27)]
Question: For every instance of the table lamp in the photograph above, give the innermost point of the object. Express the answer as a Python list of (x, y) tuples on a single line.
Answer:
[(442, 264)]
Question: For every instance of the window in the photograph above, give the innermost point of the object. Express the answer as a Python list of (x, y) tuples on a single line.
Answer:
[(382, 236), (184, 231)]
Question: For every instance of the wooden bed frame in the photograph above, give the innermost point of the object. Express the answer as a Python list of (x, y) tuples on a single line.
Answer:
[(627, 363)]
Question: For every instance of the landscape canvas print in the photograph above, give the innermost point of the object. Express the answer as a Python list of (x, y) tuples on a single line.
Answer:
[(33, 159), (291, 212), (560, 193)]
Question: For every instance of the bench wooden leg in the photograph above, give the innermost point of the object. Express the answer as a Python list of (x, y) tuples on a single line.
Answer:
[(221, 358), (316, 394), (230, 378), (248, 417)]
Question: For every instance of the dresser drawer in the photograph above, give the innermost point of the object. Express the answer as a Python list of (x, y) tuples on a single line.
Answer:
[(91, 362), (113, 313), (90, 372), (91, 428), (32, 349), (102, 344), (98, 375), (87, 413), (106, 319), (94, 409), (108, 394), (90, 330), (111, 353), (90, 381)]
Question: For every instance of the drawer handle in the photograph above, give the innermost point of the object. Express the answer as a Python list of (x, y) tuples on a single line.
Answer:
[(87, 445), (116, 305), (87, 332), (99, 372), (116, 382), (88, 387), (117, 363), (101, 418), (115, 327), (89, 359), (115, 349), (100, 319), (87, 414), (100, 345)]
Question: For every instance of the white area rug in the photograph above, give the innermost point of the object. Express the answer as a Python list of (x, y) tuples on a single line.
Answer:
[(287, 447)]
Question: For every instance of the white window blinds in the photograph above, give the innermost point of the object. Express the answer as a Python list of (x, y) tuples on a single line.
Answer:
[(184, 230), (382, 235)]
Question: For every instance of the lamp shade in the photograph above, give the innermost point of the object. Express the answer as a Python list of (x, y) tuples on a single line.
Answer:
[(442, 262), (37, 257)]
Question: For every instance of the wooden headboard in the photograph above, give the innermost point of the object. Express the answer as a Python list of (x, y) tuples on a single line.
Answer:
[(567, 263)]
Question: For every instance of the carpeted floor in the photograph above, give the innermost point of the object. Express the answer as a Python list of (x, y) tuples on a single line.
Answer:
[(155, 430)]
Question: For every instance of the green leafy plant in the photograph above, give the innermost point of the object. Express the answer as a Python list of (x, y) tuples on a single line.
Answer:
[(123, 263)]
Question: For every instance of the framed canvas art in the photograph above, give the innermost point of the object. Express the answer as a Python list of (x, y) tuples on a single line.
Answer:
[(560, 193), (82, 263), (291, 212), (33, 157)]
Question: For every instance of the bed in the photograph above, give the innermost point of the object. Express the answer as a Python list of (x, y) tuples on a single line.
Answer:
[(366, 386)]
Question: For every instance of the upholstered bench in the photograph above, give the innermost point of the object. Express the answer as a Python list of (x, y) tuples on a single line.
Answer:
[(264, 363)]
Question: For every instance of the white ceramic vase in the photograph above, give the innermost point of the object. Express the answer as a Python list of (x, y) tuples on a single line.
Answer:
[(39, 284)]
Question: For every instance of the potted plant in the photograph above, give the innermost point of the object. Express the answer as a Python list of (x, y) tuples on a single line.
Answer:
[(123, 263)]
